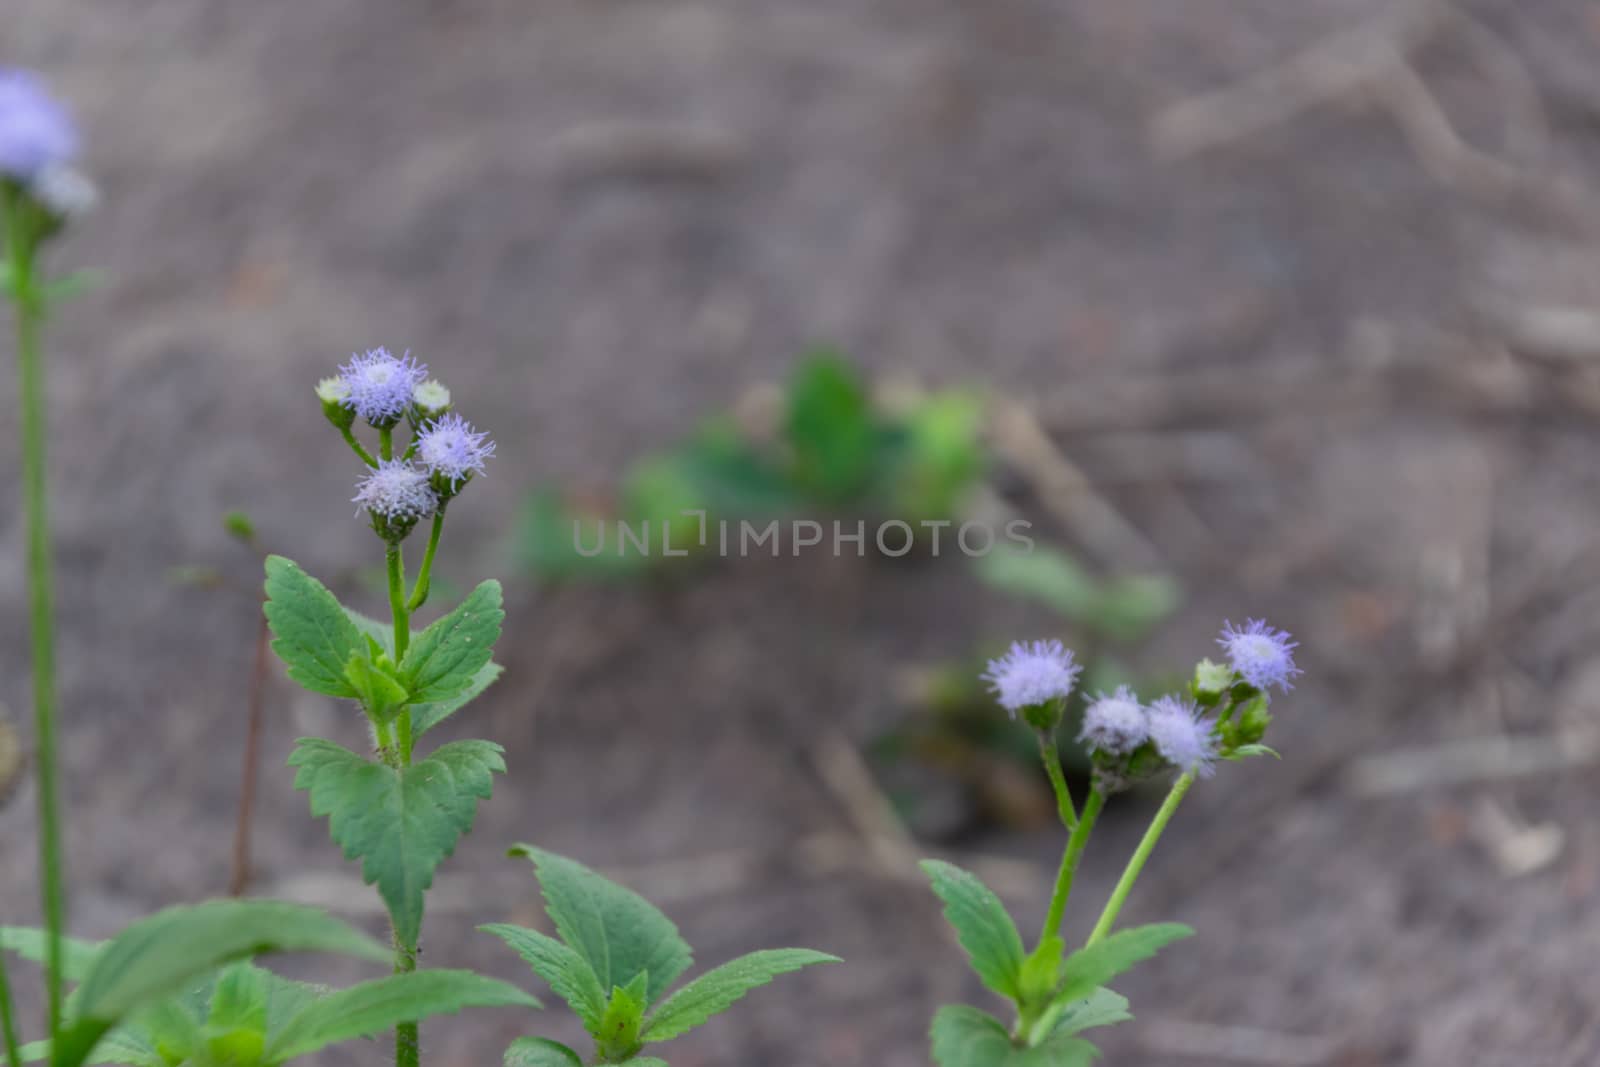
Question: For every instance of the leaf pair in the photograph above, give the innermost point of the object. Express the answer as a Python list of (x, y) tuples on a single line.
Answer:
[(154, 958), (1059, 997), (333, 651), (615, 959)]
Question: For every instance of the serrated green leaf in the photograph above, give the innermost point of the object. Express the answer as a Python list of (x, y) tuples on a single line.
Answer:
[(540, 1052), (966, 1037), (400, 824), (380, 692), (29, 943), (718, 989), (378, 1005), (125, 1046), (425, 717), (569, 974), (1103, 1007), (982, 924), (444, 659), (1089, 968), (154, 957), (312, 634), (619, 932)]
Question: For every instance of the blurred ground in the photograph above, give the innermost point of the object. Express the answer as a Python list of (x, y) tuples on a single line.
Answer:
[(1336, 366)]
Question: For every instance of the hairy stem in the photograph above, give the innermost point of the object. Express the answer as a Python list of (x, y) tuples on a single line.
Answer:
[(1119, 895), (407, 1050), (350, 439), (419, 592), (1070, 859), (1051, 757), (41, 595)]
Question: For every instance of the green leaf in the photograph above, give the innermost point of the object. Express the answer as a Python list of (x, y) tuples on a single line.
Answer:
[(830, 428), (444, 659), (1123, 608), (982, 924), (540, 1052), (644, 1061), (1103, 1007), (619, 1026), (154, 957), (568, 973), (29, 943), (380, 692), (126, 1046), (966, 1037), (1244, 751), (619, 932), (312, 634), (718, 989), (71, 285), (425, 717), (1089, 968), (381, 1004), (400, 824), (1040, 970)]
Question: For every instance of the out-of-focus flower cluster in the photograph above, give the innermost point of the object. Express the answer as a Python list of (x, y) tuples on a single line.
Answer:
[(1223, 716), (39, 146), (401, 488)]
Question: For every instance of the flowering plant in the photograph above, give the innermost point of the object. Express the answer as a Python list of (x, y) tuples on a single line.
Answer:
[(1056, 995)]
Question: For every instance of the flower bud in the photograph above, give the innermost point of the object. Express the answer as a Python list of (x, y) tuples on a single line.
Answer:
[(1211, 680), (334, 393), (432, 400)]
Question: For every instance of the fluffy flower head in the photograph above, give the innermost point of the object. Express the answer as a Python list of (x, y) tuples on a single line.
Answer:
[(380, 386), (452, 450), (1263, 655), (1183, 736), (35, 131), (397, 491), (1115, 724), (1032, 672)]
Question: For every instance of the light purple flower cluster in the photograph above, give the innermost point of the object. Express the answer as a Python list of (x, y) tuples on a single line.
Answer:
[(36, 133), (1183, 736), (1263, 656), (451, 450), (1115, 724), (1032, 673), (397, 491), (379, 386)]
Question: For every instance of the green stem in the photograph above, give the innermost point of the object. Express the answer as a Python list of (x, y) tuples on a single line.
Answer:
[(1051, 757), (1119, 895), (30, 397), (8, 1019), (407, 1050), (385, 442), (1069, 864), (360, 450), (419, 592)]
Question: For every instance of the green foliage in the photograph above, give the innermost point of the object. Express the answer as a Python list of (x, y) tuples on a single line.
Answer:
[(610, 937), (982, 924), (616, 930), (1100, 1008), (425, 716), (830, 429), (401, 823), (155, 957), (444, 660), (966, 1037), (29, 943), (311, 633), (716, 991), (1089, 968), (378, 1005), (569, 974)]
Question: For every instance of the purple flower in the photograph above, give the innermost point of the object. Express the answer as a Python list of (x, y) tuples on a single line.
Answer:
[(1115, 724), (380, 386), (397, 491), (1032, 672), (1183, 736), (450, 449), (1264, 656), (35, 131)]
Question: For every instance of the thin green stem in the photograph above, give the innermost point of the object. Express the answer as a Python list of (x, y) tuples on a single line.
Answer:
[(41, 596), (350, 439), (1050, 756), (8, 1018), (386, 442), (1070, 859), (419, 592), (1119, 895), (407, 1050)]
